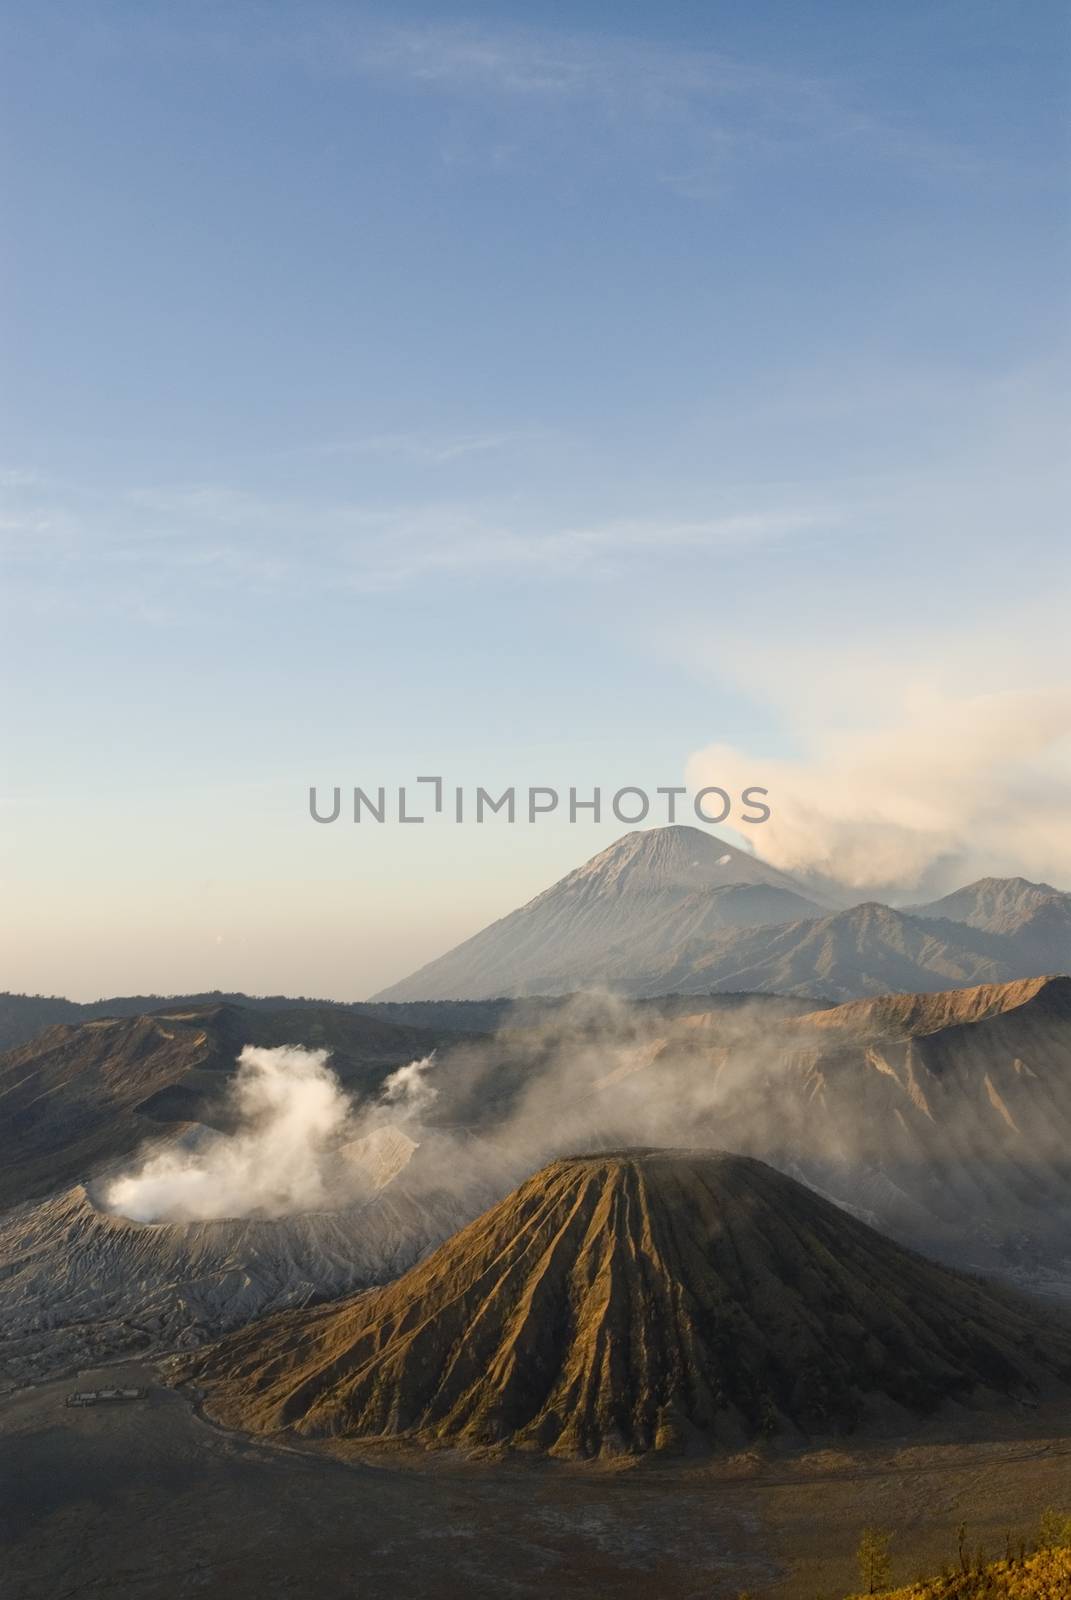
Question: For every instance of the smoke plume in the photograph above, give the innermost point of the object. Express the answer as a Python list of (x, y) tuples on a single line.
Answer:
[(952, 787), (812, 1091), (299, 1143), (409, 1088)]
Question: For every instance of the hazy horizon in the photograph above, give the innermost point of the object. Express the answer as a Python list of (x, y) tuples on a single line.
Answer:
[(836, 898)]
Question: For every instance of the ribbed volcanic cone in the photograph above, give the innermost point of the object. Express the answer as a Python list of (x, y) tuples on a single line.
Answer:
[(639, 1300)]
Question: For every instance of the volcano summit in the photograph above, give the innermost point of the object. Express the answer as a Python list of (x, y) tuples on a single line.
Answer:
[(635, 1301)]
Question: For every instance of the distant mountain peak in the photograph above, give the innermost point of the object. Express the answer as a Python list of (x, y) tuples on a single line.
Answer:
[(999, 905), (670, 858), (634, 900), (868, 911), (677, 910)]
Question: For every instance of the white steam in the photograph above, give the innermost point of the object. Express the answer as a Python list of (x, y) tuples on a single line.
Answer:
[(595, 1072), (953, 787), (300, 1143), (409, 1086)]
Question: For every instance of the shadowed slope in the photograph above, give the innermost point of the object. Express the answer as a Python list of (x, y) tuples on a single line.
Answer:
[(634, 1301), (869, 949)]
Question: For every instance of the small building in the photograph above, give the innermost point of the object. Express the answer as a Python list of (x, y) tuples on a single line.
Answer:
[(96, 1397)]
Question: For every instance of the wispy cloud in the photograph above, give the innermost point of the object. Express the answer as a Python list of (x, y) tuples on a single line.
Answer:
[(436, 543), (18, 478), (378, 548), (685, 115), (694, 111), (557, 64), (720, 101), (216, 535), (423, 449)]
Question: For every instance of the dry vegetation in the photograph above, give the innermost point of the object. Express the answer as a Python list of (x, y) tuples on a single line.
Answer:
[(1043, 1574)]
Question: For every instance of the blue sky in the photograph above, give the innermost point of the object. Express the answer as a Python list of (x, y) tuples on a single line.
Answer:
[(536, 394)]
